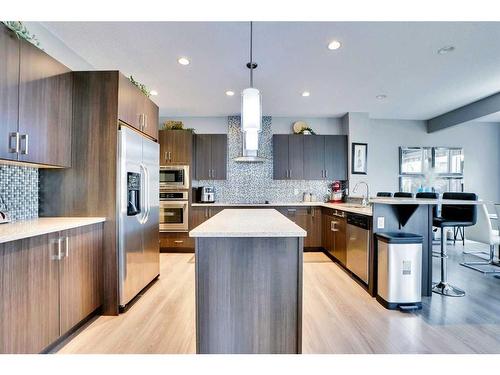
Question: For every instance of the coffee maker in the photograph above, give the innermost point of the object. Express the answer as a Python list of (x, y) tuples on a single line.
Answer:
[(338, 191), (205, 194)]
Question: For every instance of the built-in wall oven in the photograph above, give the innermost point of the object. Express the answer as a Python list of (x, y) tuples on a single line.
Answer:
[(174, 177), (174, 211)]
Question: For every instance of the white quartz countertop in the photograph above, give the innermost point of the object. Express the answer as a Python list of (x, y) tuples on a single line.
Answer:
[(36, 227), (348, 207), (240, 222), (396, 201)]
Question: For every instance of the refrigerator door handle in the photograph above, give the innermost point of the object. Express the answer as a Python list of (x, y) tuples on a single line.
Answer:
[(148, 203), (143, 218)]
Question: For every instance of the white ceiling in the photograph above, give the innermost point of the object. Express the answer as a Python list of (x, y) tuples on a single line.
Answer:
[(398, 59)]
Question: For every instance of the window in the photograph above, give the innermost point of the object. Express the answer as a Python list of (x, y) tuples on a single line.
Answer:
[(437, 169)]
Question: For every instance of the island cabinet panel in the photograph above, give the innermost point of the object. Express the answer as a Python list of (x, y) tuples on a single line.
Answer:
[(80, 275), (29, 289), (45, 108), (9, 92), (249, 295), (336, 157), (314, 157), (176, 147), (210, 157)]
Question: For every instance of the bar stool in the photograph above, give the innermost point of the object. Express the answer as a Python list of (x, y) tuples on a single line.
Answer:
[(451, 216), (384, 194), (401, 194)]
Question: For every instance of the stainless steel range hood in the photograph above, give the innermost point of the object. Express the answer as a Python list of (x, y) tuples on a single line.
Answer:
[(248, 156)]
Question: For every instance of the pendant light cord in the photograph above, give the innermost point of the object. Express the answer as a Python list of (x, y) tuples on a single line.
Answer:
[(251, 54)]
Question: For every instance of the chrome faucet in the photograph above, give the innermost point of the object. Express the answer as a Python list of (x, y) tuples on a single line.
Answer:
[(365, 202)]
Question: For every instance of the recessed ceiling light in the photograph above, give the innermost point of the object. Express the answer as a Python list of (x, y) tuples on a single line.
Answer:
[(229, 93), (306, 93), (445, 50), (183, 60), (334, 44), (153, 92), (381, 97)]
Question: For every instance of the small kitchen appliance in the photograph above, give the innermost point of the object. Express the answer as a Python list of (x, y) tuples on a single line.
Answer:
[(338, 189), (4, 214), (205, 194)]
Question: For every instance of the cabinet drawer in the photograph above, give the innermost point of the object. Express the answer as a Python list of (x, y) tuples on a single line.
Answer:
[(176, 240)]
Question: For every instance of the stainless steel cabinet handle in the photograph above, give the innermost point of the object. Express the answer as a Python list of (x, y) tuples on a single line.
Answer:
[(15, 148), (25, 137), (333, 226), (335, 213), (326, 173), (166, 155), (213, 173), (66, 243), (178, 241), (145, 121), (292, 210), (290, 173), (170, 156)]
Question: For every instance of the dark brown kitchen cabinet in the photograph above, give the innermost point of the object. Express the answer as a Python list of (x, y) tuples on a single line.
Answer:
[(176, 147), (288, 157), (80, 279), (9, 93), (309, 157), (210, 156), (35, 104), (309, 219), (29, 289), (334, 238), (314, 157), (45, 108), (136, 109), (336, 157), (198, 215), (48, 285)]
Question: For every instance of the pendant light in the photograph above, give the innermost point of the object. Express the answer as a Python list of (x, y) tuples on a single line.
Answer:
[(251, 116), (251, 104)]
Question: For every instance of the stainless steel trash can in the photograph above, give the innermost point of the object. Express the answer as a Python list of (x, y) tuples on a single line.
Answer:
[(399, 276)]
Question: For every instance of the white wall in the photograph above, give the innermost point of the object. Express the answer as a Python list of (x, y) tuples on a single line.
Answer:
[(280, 125), (480, 141)]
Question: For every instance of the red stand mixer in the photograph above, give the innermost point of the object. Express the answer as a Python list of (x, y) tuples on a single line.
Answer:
[(337, 189)]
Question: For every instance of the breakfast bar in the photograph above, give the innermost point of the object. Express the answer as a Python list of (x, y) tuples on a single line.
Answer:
[(248, 283)]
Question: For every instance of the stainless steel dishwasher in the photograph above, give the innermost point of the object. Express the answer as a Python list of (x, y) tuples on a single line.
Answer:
[(358, 245)]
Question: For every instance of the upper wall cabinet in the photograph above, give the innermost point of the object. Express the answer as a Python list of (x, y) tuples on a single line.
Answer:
[(309, 157), (210, 156), (288, 156), (176, 147), (135, 109), (35, 104), (9, 93), (45, 108)]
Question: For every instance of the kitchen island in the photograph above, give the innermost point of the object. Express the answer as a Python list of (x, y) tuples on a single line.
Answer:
[(248, 283)]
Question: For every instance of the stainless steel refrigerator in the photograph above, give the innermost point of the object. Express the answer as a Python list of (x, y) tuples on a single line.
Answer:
[(138, 212)]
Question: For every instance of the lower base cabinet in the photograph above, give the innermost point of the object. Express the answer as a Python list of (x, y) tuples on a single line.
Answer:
[(309, 219), (48, 284), (333, 234)]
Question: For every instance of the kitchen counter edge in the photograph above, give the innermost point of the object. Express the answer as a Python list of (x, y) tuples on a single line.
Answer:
[(22, 229), (367, 211)]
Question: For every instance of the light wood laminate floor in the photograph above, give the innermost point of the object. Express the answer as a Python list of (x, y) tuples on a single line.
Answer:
[(338, 316)]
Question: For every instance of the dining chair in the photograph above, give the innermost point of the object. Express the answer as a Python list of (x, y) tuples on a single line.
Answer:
[(483, 232)]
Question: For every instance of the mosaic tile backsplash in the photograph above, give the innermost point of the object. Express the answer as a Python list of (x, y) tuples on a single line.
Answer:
[(19, 189), (253, 182)]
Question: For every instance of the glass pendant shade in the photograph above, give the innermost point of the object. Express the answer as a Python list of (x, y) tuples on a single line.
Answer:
[(251, 110), (251, 140)]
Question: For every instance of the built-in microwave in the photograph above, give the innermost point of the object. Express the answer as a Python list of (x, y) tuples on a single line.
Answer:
[(174, 177)]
